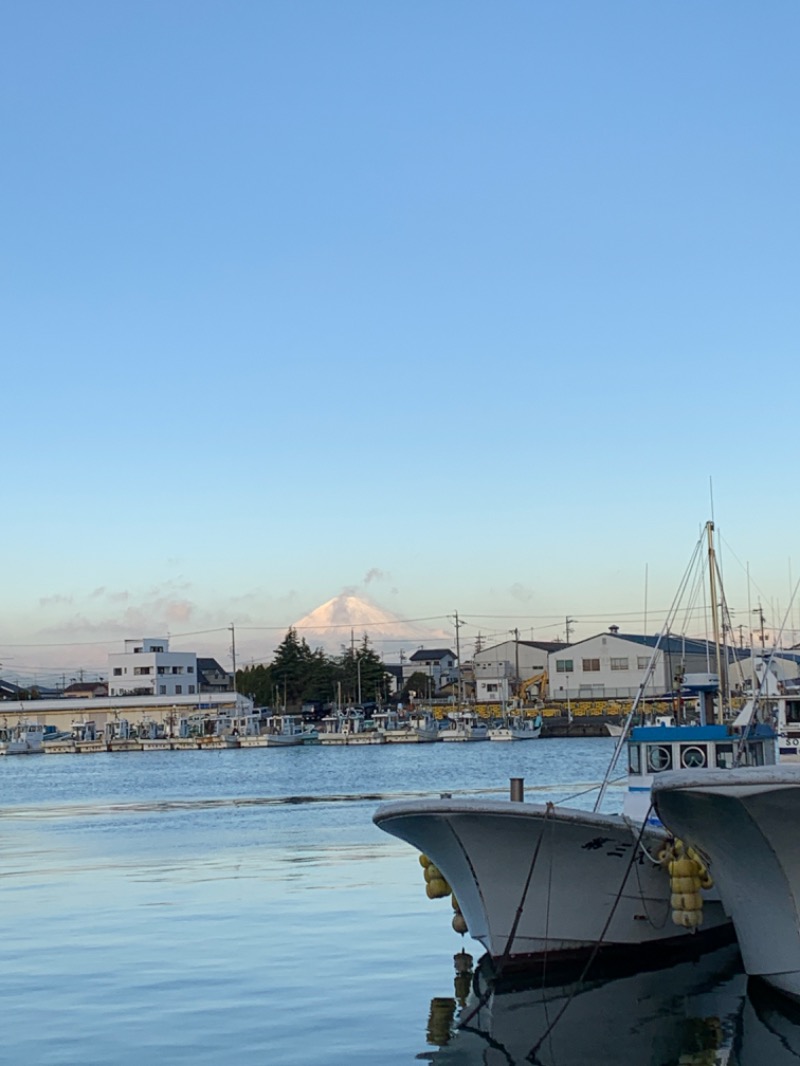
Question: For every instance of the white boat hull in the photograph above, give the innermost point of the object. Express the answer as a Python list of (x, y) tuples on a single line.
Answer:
[(467, 734), (586, 881), (745, 823), (514, 733)]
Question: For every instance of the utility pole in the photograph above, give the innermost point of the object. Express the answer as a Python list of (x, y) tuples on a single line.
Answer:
[(458, 658), (760, 612), (233, 656), (569, 622), (516, 660)]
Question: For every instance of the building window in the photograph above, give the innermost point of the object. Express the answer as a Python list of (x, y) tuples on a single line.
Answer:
[(162, 669), (117, 671), (591, 666), (157, 647), (191, 690), (178, 690), (177, 669), (162, 690), (141, 670), (189, 669), (563, 666), (619, 664)]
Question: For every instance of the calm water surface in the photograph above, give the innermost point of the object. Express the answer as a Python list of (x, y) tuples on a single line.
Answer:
[(240, 906)]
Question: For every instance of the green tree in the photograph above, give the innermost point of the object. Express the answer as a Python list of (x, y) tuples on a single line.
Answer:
[(420, 683)]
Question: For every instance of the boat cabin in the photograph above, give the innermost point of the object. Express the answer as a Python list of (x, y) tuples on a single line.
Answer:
[(655, 749)]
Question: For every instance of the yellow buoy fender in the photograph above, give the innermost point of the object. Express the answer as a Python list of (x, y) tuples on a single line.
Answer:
[(682, 868), (459, 923), (438, 888), (688, 919), (685, 884), (686, 901)]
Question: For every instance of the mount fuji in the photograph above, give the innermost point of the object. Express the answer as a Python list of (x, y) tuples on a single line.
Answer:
[(348, 617)]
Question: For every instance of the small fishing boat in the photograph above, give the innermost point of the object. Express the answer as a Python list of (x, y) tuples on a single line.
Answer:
[(464, 726), (413, 727), (348, 726), (517, 727), (287, 730), (25, 738)]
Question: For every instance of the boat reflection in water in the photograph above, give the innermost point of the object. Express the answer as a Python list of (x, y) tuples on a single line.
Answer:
[(684, 1015), (769, 1029)]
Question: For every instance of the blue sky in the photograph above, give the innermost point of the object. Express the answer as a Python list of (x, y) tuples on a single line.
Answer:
[(477, 297)]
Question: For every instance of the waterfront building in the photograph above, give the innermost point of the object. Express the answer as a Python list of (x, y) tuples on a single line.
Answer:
[(612, 665), (500, 669), (439, 664), (148, 668)]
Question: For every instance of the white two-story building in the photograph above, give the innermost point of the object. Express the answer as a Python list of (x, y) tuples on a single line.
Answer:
[(439, 664), (148, 668)]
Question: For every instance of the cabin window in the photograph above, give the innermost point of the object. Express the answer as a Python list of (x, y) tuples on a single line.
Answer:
[(692, 755), (725, 756), (754, 755), (793, 711), (659, 757), (634, 759)]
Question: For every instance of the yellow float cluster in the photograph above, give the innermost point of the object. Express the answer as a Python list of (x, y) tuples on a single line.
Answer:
[(688, 875), (436, 887)]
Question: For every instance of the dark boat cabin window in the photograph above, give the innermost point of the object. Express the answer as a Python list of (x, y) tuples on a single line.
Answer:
[(793, 711), (693, 755), (634, 759), (659, 757), (724, 755), (753, 755)]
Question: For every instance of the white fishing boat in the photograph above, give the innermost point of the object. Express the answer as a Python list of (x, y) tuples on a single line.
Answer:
[(287, 731), (25, 738), (517, 727), (776, 701), (348, 726), (537, 881), (411, 727), (744, 823), (464, 726)]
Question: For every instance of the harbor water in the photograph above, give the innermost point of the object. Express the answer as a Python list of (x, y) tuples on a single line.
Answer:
[(240, 906)]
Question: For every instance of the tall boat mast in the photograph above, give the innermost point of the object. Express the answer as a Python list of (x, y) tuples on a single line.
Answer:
[(712, 577)]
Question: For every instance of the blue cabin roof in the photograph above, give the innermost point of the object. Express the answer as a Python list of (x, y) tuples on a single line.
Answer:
[(661, 734)]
